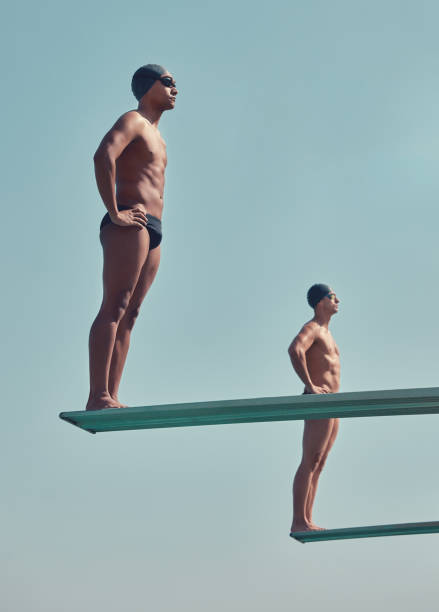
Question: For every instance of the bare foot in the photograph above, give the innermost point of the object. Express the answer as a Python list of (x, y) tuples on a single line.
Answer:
[(301, 526), (119, 403), (305, 526), (101, 401)]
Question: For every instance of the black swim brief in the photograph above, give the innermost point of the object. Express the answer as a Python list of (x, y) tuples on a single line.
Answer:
[(154, 227)]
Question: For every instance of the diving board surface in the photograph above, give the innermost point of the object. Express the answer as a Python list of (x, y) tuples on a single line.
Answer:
[(289, 408), (371, 531)]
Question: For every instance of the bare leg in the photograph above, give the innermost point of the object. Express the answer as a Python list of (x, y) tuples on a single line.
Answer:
[(316, 436), (126, 324), (315, 478), (125, 252)]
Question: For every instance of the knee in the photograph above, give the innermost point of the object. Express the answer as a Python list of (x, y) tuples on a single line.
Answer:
[(116, 306), (320, 462), (320, 465), (317, 462), (131, 314)]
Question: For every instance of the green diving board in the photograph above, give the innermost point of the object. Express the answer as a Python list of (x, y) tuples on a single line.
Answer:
[(371, 531), (290, 408)]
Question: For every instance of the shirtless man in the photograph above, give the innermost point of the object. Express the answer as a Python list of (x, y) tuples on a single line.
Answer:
[(130, 166), (315, 358)]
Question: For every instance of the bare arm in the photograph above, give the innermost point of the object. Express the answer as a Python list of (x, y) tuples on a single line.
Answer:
[(124, 131), (297, 352)]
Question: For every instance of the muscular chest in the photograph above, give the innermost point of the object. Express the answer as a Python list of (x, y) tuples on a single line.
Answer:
[(325, 347), (146, 150)]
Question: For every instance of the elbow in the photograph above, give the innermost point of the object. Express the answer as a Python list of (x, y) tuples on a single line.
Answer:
[(102, 157), (294, 353), (97, 157)]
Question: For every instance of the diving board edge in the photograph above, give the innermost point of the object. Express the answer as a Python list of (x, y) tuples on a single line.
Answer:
[(285, 408), (369, 531)]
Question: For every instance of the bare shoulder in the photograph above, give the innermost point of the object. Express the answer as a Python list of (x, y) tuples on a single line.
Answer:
[(127, 128), (306, 337), (311, 328), (130, 121)]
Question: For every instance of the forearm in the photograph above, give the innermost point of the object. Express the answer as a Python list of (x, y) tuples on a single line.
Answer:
[(105, 172)]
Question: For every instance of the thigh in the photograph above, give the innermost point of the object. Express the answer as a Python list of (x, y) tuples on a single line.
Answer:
[(316, 436), (125, 252), (146, 278), (333, 435)]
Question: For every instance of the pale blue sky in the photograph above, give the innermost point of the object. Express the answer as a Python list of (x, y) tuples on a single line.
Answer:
[(303, 148)]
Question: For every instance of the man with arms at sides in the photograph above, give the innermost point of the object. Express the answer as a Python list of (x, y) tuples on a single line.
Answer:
[(130, 167), (316, 360)]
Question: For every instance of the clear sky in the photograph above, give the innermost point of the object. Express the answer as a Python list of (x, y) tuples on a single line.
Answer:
[(303, 148)]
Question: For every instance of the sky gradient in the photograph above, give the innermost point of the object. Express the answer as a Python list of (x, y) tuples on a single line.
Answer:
[(302, 149)]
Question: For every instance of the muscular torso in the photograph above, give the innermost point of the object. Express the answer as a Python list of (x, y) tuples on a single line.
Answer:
[(140, 172), (323, 361)]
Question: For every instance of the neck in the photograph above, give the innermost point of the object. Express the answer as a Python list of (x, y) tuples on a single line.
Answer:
[(151, 114), (322, 319)]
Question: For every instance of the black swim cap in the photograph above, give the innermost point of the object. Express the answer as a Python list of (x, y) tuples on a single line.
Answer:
[(144, 78), (316, 293)]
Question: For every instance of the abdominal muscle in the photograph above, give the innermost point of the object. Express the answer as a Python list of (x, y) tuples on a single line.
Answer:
[(141, 194), (325, 374), (145, 192)]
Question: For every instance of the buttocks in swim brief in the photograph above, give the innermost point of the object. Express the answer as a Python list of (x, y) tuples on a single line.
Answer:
[(154, 227)]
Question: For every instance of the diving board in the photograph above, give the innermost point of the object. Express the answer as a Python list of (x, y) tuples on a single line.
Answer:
[(288, 408), (371, 531)]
